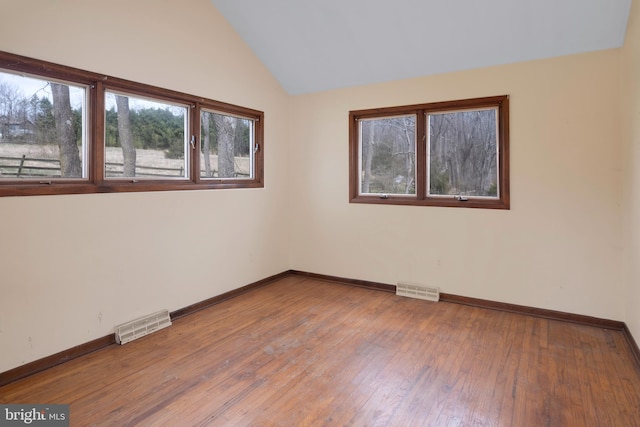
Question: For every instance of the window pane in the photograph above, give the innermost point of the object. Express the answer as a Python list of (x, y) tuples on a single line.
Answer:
[(42, 128), (145, 138), (463, 153), (388, 155), (226, 149)]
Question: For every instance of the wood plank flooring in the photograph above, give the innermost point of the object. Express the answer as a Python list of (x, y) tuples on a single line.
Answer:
[(304, 352)]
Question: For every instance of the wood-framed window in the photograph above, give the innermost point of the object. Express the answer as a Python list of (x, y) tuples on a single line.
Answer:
[(453, 153), (70, 131)]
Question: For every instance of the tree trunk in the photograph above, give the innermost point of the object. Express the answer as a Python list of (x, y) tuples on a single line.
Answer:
[(225, 131), (126, 137), (368, 156), (409, 153), (206, 143), (70, 162)]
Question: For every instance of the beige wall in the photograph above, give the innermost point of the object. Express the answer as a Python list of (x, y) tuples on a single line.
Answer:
[(560, 245), (72, 267), (631, 112)]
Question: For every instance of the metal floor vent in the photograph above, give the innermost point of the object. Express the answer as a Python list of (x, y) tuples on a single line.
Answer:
[(143, 326), (420, 292)]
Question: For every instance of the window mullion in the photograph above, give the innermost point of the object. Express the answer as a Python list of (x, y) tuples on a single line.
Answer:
[(421, 154), (194, 150), (97, 145)]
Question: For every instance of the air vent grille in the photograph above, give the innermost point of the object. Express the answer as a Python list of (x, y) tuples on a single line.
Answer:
[(143, 326), (416, 291)]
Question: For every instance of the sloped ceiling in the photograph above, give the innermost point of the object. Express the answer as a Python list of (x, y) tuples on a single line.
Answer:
[(317, 45)]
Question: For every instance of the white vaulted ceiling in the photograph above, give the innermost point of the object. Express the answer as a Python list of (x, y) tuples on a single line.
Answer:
[(316, 45)]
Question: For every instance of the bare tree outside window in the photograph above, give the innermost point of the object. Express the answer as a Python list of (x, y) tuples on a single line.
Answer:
[(126, 136), (368, 132), (225, 132), (41, 128), (463, 150), (226, 146), (205, 123), (388, 148), (70, 162), (144, 138)]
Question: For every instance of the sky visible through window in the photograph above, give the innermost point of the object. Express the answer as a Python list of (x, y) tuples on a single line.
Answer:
[(27, 87)]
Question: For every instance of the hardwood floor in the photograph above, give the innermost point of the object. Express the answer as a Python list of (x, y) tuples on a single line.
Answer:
[(305, 352)]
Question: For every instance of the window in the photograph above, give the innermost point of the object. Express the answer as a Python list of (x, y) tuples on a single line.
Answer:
[(64, 131), (43, 129), (452, 154), (226, 146), (145, 138), (388, 155)]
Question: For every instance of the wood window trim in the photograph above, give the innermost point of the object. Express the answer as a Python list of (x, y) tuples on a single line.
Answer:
[(420, 110), (96, 182)]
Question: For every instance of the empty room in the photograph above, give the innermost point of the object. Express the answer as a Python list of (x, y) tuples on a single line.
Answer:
[(308, 213)]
